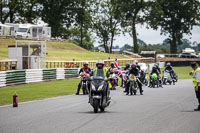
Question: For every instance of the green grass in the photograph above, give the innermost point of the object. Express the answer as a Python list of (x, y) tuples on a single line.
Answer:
[(61, 51), (3, 52), (37, 91), (69, 55)]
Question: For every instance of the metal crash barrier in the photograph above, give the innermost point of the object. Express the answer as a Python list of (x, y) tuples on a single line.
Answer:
[(15, 77)]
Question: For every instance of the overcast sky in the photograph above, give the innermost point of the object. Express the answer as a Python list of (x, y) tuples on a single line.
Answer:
[(151, 36)]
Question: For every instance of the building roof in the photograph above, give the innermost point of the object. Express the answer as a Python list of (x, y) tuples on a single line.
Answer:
[(148, 52)]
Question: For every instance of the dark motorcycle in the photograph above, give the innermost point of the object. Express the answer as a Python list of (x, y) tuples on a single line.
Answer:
[(143, 78), (175, 77), (99, 93)]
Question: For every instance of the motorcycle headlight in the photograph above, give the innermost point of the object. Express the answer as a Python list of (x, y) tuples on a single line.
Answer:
[(93, 87), (100, 87)]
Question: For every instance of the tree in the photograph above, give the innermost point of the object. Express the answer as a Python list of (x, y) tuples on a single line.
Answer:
[(175, 17), (59, 14), (105, 21), (82, 17), (185, 43), (28, 11), (132, 10), (74, 36), (141, 42), (8, 10)]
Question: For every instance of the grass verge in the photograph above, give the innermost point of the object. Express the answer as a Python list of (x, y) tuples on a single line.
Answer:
[(36, 91)]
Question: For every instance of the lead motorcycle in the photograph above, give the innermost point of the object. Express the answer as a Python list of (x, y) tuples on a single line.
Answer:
[(99, 93)]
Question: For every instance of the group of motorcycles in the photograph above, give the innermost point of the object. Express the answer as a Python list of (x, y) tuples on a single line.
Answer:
[(99, 88)]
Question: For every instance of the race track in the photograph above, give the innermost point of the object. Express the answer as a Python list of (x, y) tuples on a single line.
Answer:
[(159, 110)]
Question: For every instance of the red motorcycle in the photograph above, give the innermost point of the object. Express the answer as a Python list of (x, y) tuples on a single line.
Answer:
[(84, 82)]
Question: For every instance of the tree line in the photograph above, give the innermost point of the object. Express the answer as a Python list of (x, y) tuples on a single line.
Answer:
[(79, 19)]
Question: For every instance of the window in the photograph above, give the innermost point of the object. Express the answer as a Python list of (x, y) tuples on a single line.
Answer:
[(22, 30)]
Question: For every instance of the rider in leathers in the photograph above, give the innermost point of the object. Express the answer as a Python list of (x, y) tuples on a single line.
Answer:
[(84, 69), (134, 70)]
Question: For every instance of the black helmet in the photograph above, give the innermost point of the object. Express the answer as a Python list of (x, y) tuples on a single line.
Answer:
[(133, 65), (112, 64), (100, 62), (127, 65)]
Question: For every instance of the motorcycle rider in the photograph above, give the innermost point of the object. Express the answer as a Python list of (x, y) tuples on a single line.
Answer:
[(110, 71), (100, 71), (134, 70), (170, 69), (126, 68), (86, 69), (156, 70), (137, 65)]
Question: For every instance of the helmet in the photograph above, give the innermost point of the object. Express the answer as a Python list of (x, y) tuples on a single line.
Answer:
[(168, 64), (100, 62), (127, 65), (133, 65), (85, 63), (156, 64), (136, 62), (112, 64)]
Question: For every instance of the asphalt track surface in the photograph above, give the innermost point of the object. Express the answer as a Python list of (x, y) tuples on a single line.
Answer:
[(159, 110)]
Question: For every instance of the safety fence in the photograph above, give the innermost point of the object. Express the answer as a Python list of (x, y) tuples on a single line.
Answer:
[(35, 75), (92, 64)]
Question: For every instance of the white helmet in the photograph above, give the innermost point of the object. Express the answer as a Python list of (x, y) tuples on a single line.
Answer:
[(85, 63)]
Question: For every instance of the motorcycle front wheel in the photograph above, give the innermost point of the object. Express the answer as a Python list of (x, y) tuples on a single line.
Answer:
[(96, 105)]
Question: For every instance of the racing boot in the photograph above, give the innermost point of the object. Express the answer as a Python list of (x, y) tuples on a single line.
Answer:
[(78, 90)]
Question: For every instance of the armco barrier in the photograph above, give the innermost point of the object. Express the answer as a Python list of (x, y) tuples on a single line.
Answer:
[(15, 77), (49, 74), (60, 73), (35, 75), (71, 72), (2, 79)]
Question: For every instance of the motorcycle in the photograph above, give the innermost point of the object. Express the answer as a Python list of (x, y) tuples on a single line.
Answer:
[(154, 80), (143, 78), (175, 77), (125, 78), (167, 78), (114, 82), (84, 82), (99, 93), (133, 87)]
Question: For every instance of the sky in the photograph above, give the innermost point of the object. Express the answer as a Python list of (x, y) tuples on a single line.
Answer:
[(151, 36)]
